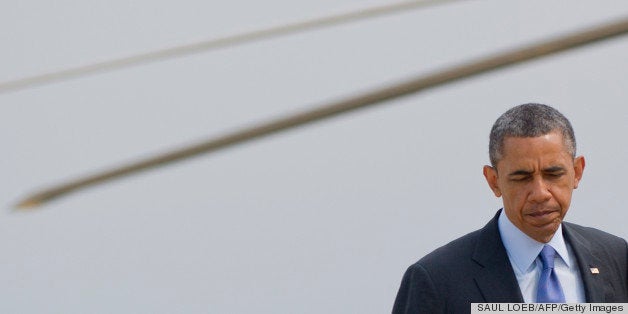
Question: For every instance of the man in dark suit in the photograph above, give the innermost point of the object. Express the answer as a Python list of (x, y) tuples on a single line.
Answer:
[(526, 253)]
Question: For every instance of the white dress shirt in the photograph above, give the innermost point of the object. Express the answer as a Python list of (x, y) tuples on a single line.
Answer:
[(523, 253)]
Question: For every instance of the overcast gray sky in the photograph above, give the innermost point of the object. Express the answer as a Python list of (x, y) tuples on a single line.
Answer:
[(323, 219)]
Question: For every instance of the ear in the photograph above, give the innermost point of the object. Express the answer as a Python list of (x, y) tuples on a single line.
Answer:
[(490, 174), (578, 167)]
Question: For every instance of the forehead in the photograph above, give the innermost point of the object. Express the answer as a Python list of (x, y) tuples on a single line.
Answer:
[(549, 148)]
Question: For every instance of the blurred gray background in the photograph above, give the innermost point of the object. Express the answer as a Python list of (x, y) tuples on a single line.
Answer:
[(322, 219)]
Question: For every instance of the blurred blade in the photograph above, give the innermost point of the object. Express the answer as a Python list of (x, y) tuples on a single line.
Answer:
[(423, 82), (208, 45)]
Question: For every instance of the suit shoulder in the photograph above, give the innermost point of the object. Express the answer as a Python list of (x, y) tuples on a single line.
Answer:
[(595, 235), (428, 283), (454, 252)]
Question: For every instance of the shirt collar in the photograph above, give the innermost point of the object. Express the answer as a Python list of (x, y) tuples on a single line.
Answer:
[(524, 250)]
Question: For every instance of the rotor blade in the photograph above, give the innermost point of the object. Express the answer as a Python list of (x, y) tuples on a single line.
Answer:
[(207, 45), (423, 82)]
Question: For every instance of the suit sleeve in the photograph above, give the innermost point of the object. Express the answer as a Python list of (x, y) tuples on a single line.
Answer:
[(418, 294), (626, 264)]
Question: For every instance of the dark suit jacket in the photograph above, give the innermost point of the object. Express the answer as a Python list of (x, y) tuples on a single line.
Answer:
[(475, 269)]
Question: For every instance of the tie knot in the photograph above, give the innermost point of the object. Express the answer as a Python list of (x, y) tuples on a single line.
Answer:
[(547, 256)]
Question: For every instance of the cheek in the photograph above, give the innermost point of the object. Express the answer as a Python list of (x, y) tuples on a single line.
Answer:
[(514, 192), (563, 197), (515, 199)]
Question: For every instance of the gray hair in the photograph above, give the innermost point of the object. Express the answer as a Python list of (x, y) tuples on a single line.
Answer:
[(529, 120)]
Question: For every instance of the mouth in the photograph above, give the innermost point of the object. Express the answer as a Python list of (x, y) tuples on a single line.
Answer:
[(541, 213), (543, 217)]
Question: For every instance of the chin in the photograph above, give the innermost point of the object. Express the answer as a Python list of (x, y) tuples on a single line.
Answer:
[(546, 233)]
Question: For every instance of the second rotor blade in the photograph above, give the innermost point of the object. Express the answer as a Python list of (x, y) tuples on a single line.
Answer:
[(420, 83)]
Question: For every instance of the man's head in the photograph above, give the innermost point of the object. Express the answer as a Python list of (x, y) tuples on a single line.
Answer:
[(534, 169), (529, 120)]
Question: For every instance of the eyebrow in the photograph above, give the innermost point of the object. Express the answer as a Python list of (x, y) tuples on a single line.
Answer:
[(528, 172), (520, 173), (554, 169)]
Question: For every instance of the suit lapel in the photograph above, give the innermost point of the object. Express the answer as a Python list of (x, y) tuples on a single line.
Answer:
[(496, 279), (590, 266)]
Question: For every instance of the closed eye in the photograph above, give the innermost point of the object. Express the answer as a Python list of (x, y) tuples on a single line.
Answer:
[(555, 174), (520, 178), (520, 175)]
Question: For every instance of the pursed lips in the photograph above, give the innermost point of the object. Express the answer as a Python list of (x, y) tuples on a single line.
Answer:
[(543, 217), (541, 213)]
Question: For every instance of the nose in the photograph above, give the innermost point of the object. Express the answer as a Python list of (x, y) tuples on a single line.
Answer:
[(540, 191)]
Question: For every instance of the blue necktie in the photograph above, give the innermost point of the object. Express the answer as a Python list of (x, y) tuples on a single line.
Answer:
[(549, 290)]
